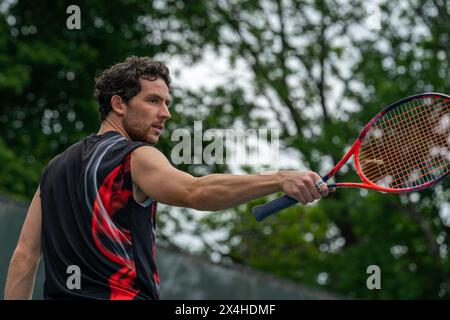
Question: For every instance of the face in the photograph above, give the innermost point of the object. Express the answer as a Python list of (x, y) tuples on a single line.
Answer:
[(147, 112)]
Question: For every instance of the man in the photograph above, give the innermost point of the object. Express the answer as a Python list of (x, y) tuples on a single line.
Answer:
[(95, 207)]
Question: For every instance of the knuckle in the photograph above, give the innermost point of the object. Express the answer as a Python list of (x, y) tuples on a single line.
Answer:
[(315, 175)]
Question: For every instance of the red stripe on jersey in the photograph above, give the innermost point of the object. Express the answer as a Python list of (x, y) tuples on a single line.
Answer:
[(112, 197)]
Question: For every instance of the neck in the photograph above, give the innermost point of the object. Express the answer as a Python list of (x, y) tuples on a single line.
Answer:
[(108, 125)]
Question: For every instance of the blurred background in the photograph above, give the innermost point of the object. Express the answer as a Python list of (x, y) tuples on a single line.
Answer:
[(317, 70)]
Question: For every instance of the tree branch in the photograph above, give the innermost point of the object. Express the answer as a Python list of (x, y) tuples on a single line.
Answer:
[(285, 72), (321, 83)]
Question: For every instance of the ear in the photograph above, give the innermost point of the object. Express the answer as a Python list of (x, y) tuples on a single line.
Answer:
[(117, 105)]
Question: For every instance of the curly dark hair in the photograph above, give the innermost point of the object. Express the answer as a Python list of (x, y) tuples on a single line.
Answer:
[(122, 79)]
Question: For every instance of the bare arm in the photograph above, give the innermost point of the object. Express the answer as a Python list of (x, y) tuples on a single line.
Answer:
[(159, 180), (26, 257)]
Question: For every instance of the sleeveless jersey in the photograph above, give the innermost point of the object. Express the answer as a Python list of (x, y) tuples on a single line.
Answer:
[(97, 241)]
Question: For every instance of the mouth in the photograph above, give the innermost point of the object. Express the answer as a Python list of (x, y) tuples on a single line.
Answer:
[(157, 128)]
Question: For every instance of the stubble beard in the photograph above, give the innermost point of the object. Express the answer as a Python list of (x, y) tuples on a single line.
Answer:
[(135, 130)]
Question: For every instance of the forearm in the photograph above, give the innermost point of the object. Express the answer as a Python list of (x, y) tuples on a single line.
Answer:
[(159, 180), (221, 191), (21, 278)]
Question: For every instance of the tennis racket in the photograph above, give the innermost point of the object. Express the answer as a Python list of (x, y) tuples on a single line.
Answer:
[(404, 148)]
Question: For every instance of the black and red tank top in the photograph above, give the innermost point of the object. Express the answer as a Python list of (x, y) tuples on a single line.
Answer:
[(93, 228)]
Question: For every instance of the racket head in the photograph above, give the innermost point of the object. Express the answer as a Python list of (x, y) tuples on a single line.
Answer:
[(406, 146)]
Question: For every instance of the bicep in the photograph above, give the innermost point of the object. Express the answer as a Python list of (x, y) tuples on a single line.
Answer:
[(159, 180), (30, 237)]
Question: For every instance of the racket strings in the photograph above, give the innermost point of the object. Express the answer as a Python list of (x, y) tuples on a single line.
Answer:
[(409, 145), (418, 160), (421, 134), (406, 117), (395, 125), (408, 157), (363, 153)]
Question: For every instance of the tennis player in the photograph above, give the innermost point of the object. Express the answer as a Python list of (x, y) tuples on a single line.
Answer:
[(93, 214)]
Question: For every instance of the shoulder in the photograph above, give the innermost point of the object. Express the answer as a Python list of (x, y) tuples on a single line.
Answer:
[(147, 157), (144, 151)]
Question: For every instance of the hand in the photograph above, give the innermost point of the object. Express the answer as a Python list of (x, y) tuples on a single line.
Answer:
[(302, 185)]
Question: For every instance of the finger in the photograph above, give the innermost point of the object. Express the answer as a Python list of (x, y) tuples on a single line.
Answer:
[(306, 193), (321, 186), (313, 189), (324, 189), (299, 197)]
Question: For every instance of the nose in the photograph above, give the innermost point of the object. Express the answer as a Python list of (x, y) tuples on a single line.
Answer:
[(165, 114)]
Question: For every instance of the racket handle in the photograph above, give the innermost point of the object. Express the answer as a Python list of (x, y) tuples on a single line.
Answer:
[(263, 211)]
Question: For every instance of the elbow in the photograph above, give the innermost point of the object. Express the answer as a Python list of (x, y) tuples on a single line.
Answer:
[(21, 274), (22, 257)]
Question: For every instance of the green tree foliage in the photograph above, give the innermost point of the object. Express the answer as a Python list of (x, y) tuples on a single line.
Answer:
[(319, 63), (314, 68)]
